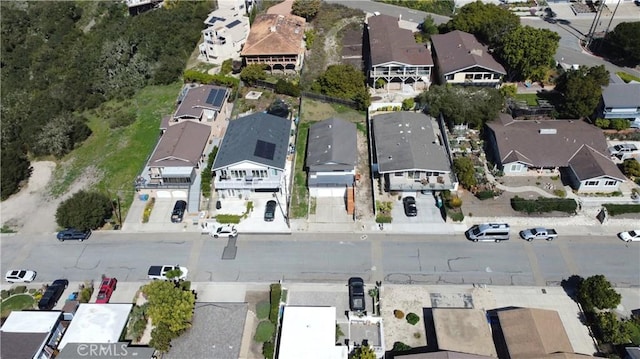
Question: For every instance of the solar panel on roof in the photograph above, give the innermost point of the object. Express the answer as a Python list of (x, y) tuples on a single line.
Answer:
[(233, 23), (265, 150), (213, 19), (216, 97)]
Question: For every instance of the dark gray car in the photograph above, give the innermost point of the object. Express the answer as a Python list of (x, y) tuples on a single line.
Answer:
[(73, 234), (356, 294), (53, 294), (270, 211)]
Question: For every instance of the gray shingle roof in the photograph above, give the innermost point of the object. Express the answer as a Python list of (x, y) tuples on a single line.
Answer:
[(522, 140), (216, 332), (246, 138), (195, 101), (181, 145), (406, 141), (458, 50), (332, 145), (389, 43), (621, 95), (588, 163), (21, 345)]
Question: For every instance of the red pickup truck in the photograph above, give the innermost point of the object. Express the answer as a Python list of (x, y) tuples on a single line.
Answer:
[(107, 288)]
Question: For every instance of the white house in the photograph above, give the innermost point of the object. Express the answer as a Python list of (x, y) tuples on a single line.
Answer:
[(226, 32)]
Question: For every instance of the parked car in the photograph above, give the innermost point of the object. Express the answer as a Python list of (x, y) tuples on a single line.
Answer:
[(631, 236), (20, 276), (178, 211), (410, 209), (52, 294), (488, 232), (73, 234), (107, 288), (539, 233), (224, 231), (270, 211), (624, 150), (356, 294), (160, 272)]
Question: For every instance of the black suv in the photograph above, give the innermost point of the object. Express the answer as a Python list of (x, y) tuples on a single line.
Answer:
[(410, 209), (178, 211), (356, 294), (53, 294), (270, 211), (73, 234)]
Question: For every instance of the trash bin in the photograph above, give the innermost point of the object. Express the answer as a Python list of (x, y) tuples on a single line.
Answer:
[(218, 204), (144, 197)]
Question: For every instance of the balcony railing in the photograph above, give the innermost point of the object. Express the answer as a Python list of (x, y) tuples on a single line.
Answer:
[(242, 183)]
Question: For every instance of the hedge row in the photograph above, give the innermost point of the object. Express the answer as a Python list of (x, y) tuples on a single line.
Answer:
[(542, 205), (276, 294), (616, 209)]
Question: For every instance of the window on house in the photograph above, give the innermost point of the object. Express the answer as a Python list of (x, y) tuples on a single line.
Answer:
[(496, 76), (486, 76), (610, 183), (468, 76), (591, 183), (477, 76), (399, 174), (515, 167)]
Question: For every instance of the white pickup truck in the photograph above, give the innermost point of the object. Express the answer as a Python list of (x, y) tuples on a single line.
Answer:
[(539, 233), (160, 272)]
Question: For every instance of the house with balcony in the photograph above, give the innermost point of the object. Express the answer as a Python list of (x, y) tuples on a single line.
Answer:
[(621, 100), (226, 32), (395, 57), (252, 156), (462, 60), (180, 152), (201, 103), (276, 41), (572, 148), (332, 156), (409, 153)]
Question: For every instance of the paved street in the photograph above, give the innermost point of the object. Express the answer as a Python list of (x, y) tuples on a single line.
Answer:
[(329, 257)]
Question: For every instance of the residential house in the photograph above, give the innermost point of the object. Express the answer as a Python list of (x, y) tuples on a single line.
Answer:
[(535, 147), (409, 153), (226, 32), (534, 333), (276, 41), (461, 59), (463, 330), (395, 57), (178, 155), (621, 100), (309, 332), (139, 6), (252, 155), (31, 334), (332, 155), (201, 103)]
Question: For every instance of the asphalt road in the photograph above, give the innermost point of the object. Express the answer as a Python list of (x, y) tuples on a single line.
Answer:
[(323, 257)]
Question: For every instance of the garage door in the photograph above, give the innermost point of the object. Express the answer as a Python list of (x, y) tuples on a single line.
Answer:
[(329, 192), (163, 194), (179, 194)]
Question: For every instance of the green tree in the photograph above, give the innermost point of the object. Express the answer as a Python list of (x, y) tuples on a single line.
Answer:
[(624, 41), (408, 104), (84, 210), (509, 91), (343, 81), (631, 167), (488, 22), (582, 89), (60, 135), (528, 52), (363, 352), (161, 337), (15, 169), (602, 122), (306, 8), (612, 330), (596, 292), (463, 105), (427, 28), (620, 124), (400, 347), (463, 167), (253, 73), (169, 305)]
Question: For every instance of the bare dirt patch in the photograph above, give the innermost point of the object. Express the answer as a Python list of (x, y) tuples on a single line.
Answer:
[(33, 209)]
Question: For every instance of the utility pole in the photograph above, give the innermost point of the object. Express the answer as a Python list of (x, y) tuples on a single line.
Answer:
[(594, 24)]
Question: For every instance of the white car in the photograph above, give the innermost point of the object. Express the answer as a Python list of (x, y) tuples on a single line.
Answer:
[(224, 231), (20, 276), (631, 236)]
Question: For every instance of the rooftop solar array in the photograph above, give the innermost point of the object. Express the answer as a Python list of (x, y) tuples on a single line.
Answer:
[(264, 149), (213, 19), (216, 97), (233, 23)]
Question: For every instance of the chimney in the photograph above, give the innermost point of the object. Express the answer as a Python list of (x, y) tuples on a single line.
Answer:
[(399, 17), (477, 52)]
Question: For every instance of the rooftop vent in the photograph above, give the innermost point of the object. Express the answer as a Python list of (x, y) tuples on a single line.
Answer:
[(547, 131), (477, 52)]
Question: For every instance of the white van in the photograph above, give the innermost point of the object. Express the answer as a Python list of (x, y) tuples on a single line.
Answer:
[(488, 232)]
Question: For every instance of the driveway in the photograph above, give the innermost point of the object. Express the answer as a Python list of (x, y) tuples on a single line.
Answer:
[(330, 210)]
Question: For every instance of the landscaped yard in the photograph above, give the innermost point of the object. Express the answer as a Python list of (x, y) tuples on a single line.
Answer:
[(17, 302), (530, 98), (112, 158)]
